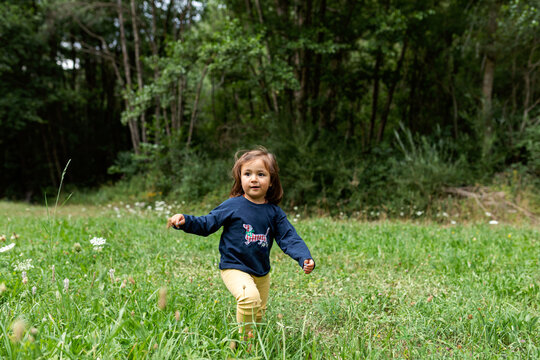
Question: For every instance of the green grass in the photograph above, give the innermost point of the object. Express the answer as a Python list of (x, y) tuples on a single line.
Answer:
[(380, 290)]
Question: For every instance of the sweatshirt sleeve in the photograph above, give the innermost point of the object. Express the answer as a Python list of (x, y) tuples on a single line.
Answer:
[(289, 241), (207, 224)]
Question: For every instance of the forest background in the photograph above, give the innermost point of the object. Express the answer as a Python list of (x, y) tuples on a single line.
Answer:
[(372, 107)]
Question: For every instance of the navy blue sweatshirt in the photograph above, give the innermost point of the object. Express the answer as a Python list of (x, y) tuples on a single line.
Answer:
[(249, 231)]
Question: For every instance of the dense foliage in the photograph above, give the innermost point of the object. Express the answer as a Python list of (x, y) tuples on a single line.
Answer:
[(364, 102)]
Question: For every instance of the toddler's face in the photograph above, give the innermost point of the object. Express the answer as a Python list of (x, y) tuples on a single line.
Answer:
[(255, 180)]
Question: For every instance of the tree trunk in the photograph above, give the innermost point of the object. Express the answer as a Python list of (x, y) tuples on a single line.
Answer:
[(302, 57), (182, 83), (273, 94), (138, 65), (316, 79), (528, 92), (391, 89), (375, 95), (133, 126), (487, 81), (154, 47), (166, 121), (174, 111), (196, 104), (49, 159)]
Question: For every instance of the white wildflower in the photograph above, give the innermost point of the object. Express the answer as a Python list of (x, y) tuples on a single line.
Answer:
[(445, 214), (34, 290), (53, 273), (453, 222), (493, 222), (488, 214), (3, 288), (24, 278), (97, 243), (111, 274), (23, 265), (7, 247), (419, 213), (66, 284)]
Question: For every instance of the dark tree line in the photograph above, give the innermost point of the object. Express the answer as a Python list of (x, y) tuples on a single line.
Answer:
[(89, 79)]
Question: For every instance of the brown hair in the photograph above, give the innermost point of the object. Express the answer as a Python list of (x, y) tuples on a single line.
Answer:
[(275, 191)]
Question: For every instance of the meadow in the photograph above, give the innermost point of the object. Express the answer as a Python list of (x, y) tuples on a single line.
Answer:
[(407, 290)]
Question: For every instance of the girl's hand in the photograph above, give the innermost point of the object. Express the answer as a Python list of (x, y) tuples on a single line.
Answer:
[(309, 265), (176, 220)]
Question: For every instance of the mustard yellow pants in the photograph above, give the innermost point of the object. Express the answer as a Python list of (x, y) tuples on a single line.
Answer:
[(251, 294)]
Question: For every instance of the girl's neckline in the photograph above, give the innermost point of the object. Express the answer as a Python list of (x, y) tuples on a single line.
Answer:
[(254, 203)]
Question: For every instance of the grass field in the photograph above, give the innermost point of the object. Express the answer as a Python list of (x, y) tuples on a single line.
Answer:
[(380, 290)]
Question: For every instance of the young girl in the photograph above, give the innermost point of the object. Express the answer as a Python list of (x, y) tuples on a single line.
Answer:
[(251, 221)]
